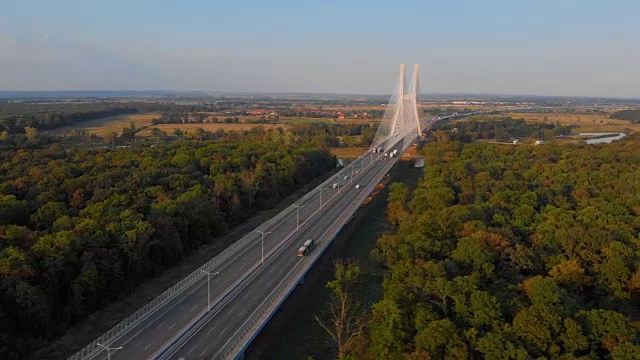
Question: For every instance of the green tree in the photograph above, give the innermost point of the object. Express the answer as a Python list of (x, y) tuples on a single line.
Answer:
[(157, 133), (110, 138), (346, 321), (389, 337), (31, 133)]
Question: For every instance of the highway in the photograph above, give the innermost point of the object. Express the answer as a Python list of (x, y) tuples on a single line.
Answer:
[(214, 338), (148, 336), (215, 311), (240, 282)]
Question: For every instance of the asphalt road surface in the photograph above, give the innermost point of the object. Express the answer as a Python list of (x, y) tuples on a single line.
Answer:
[(149, 335), (216, 337)]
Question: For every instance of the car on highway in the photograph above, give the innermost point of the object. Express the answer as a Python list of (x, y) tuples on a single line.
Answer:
[(357, 186), (306, 247), (335, 185)]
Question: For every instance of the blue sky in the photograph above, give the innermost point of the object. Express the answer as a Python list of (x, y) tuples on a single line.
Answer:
[(560, 47)]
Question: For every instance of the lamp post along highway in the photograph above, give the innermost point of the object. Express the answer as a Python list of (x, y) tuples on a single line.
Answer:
[(109, 349), (209, 274), (298, 207), (263, 234)]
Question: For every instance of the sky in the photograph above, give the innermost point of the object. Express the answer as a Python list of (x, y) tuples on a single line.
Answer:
[(543, 47)]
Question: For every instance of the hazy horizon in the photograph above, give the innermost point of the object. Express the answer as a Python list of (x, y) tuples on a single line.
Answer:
[(576, 49)]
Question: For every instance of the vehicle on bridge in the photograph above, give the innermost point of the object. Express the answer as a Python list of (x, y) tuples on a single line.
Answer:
[(306, 247), (357, 186)]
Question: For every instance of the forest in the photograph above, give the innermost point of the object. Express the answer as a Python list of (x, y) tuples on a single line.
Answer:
[(513, 252), (502, 129), (630, 115), (80, 228)]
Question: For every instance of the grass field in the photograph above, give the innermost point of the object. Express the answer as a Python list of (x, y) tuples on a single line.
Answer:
[(348, 152), (117, 123), (358, 121), (305, 120), (106, 125), (585, 122), (354, 107)]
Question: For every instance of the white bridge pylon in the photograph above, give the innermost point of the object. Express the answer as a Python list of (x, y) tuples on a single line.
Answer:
[(400, 121)]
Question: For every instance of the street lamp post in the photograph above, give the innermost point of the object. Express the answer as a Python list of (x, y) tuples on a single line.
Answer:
[(109, 349), (209, 275), (298, 207), (263, 235)]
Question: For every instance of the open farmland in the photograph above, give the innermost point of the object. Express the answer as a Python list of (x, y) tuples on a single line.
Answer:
[(117, 123), (108, 124), (348, 152), (584, 122), (305, 120)]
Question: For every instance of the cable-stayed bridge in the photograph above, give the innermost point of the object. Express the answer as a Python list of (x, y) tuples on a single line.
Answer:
[(216, 311)]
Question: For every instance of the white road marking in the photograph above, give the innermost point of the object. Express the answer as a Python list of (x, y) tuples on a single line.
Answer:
[(231, 312), (194, 306), (225, 329), (202, 292), (274, 289), (247, 294), (185, 294), (174, 324), (211, 330), (159, 326), (205, 350), (193, 348), (134, 346), (183, 307), (147, 346)]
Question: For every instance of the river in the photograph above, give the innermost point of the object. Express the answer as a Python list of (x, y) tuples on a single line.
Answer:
[(602, 140)]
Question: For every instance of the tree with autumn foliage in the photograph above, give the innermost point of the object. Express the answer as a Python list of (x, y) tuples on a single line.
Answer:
[(513, 252)]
